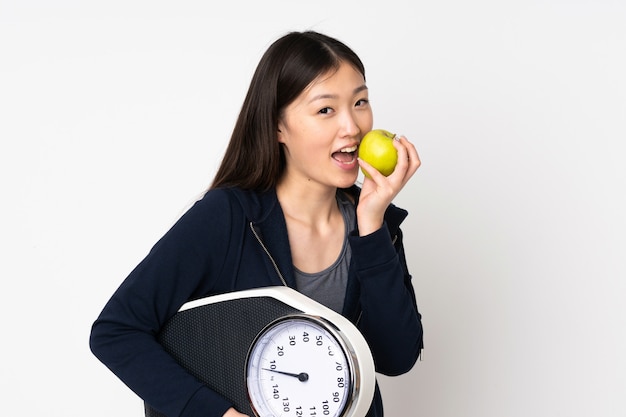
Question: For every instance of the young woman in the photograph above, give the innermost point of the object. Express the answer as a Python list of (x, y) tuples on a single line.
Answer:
[(282, 210)]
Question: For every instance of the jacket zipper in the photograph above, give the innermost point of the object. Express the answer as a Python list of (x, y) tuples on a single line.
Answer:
[(267, 252), (280, 275)]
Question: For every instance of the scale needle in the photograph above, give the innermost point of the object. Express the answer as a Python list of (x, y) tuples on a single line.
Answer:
[(302, 376)]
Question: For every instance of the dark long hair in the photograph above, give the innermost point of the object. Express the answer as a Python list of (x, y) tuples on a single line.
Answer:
[(254, 158)]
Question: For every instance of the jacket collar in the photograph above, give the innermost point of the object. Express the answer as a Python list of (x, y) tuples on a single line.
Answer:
[(266, 216)]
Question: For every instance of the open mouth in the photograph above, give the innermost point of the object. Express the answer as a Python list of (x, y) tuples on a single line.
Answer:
[(345, 155)]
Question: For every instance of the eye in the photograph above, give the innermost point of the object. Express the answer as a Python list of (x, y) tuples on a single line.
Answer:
[(325, 110), (362, 102)]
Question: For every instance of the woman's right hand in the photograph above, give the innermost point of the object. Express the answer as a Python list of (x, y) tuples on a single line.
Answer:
[(231, 412), (378, 191)]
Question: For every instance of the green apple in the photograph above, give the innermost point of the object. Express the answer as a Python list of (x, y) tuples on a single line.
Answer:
[(376, 148)]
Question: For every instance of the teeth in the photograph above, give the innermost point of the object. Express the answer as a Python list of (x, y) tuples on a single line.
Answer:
[(348, 150)]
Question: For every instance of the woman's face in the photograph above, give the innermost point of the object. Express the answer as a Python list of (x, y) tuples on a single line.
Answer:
[(321, 129)]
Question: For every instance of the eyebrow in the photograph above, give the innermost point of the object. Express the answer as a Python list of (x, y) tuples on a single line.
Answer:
[(334, 96)]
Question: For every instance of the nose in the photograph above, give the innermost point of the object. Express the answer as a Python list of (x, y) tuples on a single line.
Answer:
[(350, 125)]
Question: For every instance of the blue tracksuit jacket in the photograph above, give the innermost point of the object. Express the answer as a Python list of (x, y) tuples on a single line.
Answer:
[(233, 240)]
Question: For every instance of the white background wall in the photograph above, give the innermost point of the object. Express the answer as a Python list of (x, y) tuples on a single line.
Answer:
[(113, 116)]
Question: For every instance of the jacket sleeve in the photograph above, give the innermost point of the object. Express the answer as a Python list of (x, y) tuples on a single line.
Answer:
[(181, 266), (390, 321)]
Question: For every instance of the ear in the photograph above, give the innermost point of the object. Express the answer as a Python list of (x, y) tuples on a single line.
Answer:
[(279, 134)]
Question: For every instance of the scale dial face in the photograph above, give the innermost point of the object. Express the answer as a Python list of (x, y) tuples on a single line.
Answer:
[(299, 366)]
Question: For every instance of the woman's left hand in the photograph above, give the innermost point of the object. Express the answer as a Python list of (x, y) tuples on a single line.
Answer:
[(379, 191)]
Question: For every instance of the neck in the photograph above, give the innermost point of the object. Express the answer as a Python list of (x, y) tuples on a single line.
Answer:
[(310, 203)]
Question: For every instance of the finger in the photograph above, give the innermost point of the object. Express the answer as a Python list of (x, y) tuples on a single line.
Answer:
[(403, 170), (374, 174), (413, 155), (403, 155), (407, 155)]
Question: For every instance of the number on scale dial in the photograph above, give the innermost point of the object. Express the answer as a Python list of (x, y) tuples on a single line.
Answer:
[(298, 367)]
